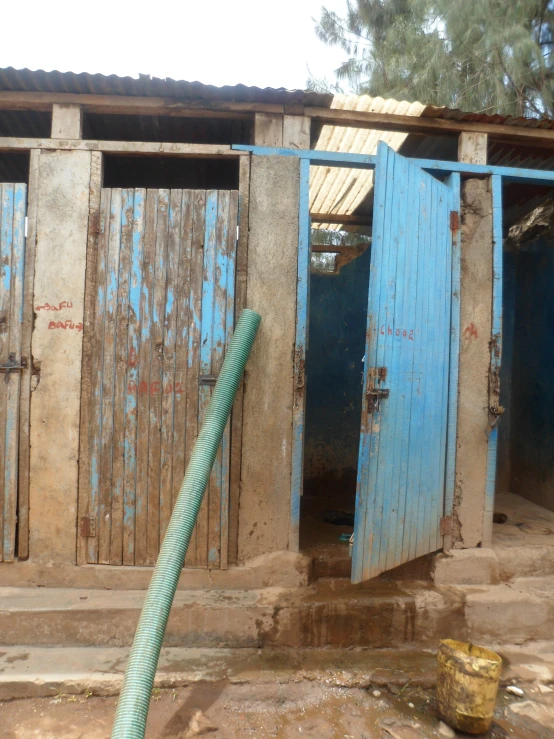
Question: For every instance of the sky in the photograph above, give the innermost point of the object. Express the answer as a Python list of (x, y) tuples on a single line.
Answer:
[(254, 42)]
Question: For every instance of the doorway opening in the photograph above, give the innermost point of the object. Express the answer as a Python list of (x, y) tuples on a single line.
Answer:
[(339, 281), (524, 500)]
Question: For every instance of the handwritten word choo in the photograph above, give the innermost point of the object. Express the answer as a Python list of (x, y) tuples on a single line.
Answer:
[(403, 332)]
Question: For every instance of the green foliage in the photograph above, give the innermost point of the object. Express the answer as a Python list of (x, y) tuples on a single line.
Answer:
[(479, 55)]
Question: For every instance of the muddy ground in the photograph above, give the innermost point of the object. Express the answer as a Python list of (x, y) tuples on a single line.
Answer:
[(301, 709)]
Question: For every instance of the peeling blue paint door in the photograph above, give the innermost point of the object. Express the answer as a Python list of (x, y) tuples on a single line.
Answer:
[(407, 379), (164, 291), (13, 201)]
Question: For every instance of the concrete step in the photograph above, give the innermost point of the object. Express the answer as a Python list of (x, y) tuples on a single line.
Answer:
[(329, 613), (33, 672), (532, 560)]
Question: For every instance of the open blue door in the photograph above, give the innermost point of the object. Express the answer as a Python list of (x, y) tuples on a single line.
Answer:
[(401, 470)]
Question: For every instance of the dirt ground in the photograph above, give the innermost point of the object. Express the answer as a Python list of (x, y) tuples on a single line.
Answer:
[(301, 709)]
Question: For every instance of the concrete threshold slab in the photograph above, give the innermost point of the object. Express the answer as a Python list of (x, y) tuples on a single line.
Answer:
[(33, 672)]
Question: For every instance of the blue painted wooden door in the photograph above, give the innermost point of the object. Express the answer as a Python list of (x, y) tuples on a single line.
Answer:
[(164, 310), (403, 444), (13, 201)]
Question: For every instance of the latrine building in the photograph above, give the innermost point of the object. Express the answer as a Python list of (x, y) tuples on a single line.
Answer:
[(399, 255)]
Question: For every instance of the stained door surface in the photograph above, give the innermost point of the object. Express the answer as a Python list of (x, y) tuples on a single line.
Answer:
[(164, 288), (13, 199), (401, 473)]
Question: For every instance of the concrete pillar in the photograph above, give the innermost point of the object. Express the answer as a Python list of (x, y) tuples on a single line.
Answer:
[(61, 240), (472, 148), (67, 121), (296, 131), (473, 392), (267, 422), (268, 129)]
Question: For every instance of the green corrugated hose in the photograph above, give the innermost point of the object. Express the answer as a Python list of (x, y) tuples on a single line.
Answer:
[(134, 700)]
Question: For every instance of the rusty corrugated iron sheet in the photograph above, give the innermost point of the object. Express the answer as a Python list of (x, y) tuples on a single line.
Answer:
[(28, 80), (454, 114)]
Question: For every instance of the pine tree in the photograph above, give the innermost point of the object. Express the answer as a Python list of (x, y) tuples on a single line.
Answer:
[(479, 55)]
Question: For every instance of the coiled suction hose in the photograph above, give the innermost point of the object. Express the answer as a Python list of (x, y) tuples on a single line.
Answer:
[(134, 700)]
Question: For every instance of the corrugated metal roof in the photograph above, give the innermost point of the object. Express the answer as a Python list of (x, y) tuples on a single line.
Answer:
[(29, 80), (431, 111), (340, 190)]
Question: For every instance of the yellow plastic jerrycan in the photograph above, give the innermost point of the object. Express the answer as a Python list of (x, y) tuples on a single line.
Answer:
[(467, 684)]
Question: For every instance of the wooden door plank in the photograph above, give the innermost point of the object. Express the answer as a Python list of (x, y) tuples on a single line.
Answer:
[(6, 211), (97, 372), (219, 286), (13, 384), (156, 377), (195, 328), (6, 241), (240, 303), (120, 389), (206, 343), (134, 333), (231, 252), (108, 378), (87, 398), (143, 403), (169, 346), (182, 323)]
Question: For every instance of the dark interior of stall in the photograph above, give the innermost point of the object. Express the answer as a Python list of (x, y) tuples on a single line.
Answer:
[(338, 295), (526, 427)]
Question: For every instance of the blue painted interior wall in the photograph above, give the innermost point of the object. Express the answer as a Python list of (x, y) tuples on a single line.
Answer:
[(334, 367), (532, 408)]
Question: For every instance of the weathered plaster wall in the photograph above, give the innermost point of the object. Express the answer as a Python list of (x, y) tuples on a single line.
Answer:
[(267, 425), (476, 303), (62, 220)]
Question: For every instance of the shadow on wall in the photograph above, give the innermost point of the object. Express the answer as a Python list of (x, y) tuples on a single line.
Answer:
[(334, 371)]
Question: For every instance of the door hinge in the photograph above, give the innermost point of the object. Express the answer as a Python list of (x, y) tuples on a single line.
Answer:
[(445, 526), (88, 527), (98, 223), (454, 220)]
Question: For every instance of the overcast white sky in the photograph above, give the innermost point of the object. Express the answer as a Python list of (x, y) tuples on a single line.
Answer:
[(219, 42)]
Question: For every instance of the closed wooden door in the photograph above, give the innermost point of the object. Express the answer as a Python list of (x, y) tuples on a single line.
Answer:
[(403, 445), (164, 312), (13, 200)]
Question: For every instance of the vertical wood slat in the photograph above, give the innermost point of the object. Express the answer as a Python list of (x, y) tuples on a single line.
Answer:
[(169, 346), (195, 329), (14, 380), (108, 378), (97, 361), (26, 332), (219, 286), (131, 399), (86, 428), (159, 295), (230, 259), (156, 377), (144, 359), (6, 225), (12, 261), (182, 311), (120, 389), (206, 343), (240, 303)]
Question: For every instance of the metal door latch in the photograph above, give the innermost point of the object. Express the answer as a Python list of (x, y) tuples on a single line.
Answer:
[(207, 380), (12, 365), (374, 397)]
